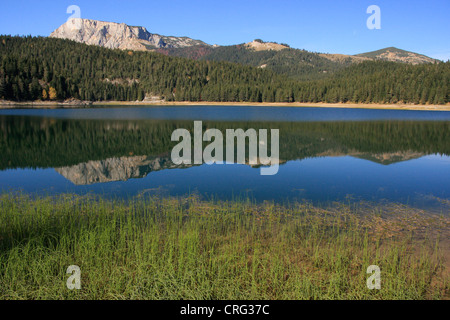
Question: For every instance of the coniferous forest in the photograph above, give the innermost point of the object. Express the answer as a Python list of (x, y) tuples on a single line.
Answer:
[(38, 68)]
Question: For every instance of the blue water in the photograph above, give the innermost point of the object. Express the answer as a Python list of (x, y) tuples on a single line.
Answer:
[(419, 177), (231, 113)]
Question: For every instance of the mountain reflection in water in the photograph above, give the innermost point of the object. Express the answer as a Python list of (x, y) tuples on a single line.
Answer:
[(91, 152)]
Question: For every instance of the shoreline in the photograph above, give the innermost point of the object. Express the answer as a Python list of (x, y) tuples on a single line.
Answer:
[(83, 104)]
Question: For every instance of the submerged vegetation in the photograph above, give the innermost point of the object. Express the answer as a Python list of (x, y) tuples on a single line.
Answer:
[(184, 248)]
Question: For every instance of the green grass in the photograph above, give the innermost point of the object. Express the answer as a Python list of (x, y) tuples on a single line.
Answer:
[(184, 248)]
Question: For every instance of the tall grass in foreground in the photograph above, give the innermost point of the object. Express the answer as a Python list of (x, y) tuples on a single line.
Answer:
[(189, 249)]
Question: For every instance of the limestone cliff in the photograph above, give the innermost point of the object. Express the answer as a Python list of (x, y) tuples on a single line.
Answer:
[(118, 36)]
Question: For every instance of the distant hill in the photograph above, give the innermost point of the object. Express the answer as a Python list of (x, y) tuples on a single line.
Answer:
[(119, 36), (397, 55), (280, 58), (294, 63)]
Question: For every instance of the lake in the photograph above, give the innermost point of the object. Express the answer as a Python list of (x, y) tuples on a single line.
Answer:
[(326, 154)]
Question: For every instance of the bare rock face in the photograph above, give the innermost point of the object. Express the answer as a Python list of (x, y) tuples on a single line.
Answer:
[(118, 36), (265, 46)]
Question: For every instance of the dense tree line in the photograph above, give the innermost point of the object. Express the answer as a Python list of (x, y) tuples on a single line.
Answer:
[(36, 68), (383, 82)]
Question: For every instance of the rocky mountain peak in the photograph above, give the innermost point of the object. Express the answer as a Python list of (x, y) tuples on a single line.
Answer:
[(118, 36), (259, 45)]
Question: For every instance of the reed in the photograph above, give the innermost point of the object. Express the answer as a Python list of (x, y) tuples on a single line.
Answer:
[(184, 248)]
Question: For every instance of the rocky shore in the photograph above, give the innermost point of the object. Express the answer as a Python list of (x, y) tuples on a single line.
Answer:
[(69, 103), (73, 103)]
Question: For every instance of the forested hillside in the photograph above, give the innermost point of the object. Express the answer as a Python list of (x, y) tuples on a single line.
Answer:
[(397, 55), (55, 69), (383, 82), (294, 63)]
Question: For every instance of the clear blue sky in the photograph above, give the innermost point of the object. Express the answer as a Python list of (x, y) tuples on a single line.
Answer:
[(333, 26)]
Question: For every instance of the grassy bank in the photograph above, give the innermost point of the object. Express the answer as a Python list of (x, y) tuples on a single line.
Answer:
[(189, 249)]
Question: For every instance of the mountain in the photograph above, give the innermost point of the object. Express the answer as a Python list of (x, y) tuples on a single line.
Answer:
[(397, 55), (259, 45), (294, 63), (118, 36), (37, 68), (280, 58)]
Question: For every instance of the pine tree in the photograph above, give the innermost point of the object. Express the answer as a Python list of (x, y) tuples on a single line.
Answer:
[(2, 87)]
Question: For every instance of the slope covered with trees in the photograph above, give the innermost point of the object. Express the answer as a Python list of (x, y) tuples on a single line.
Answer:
[(294, 63), (55, 69), (383, 82)]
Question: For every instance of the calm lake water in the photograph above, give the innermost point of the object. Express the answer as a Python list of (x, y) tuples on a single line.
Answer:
[(327, 154)]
